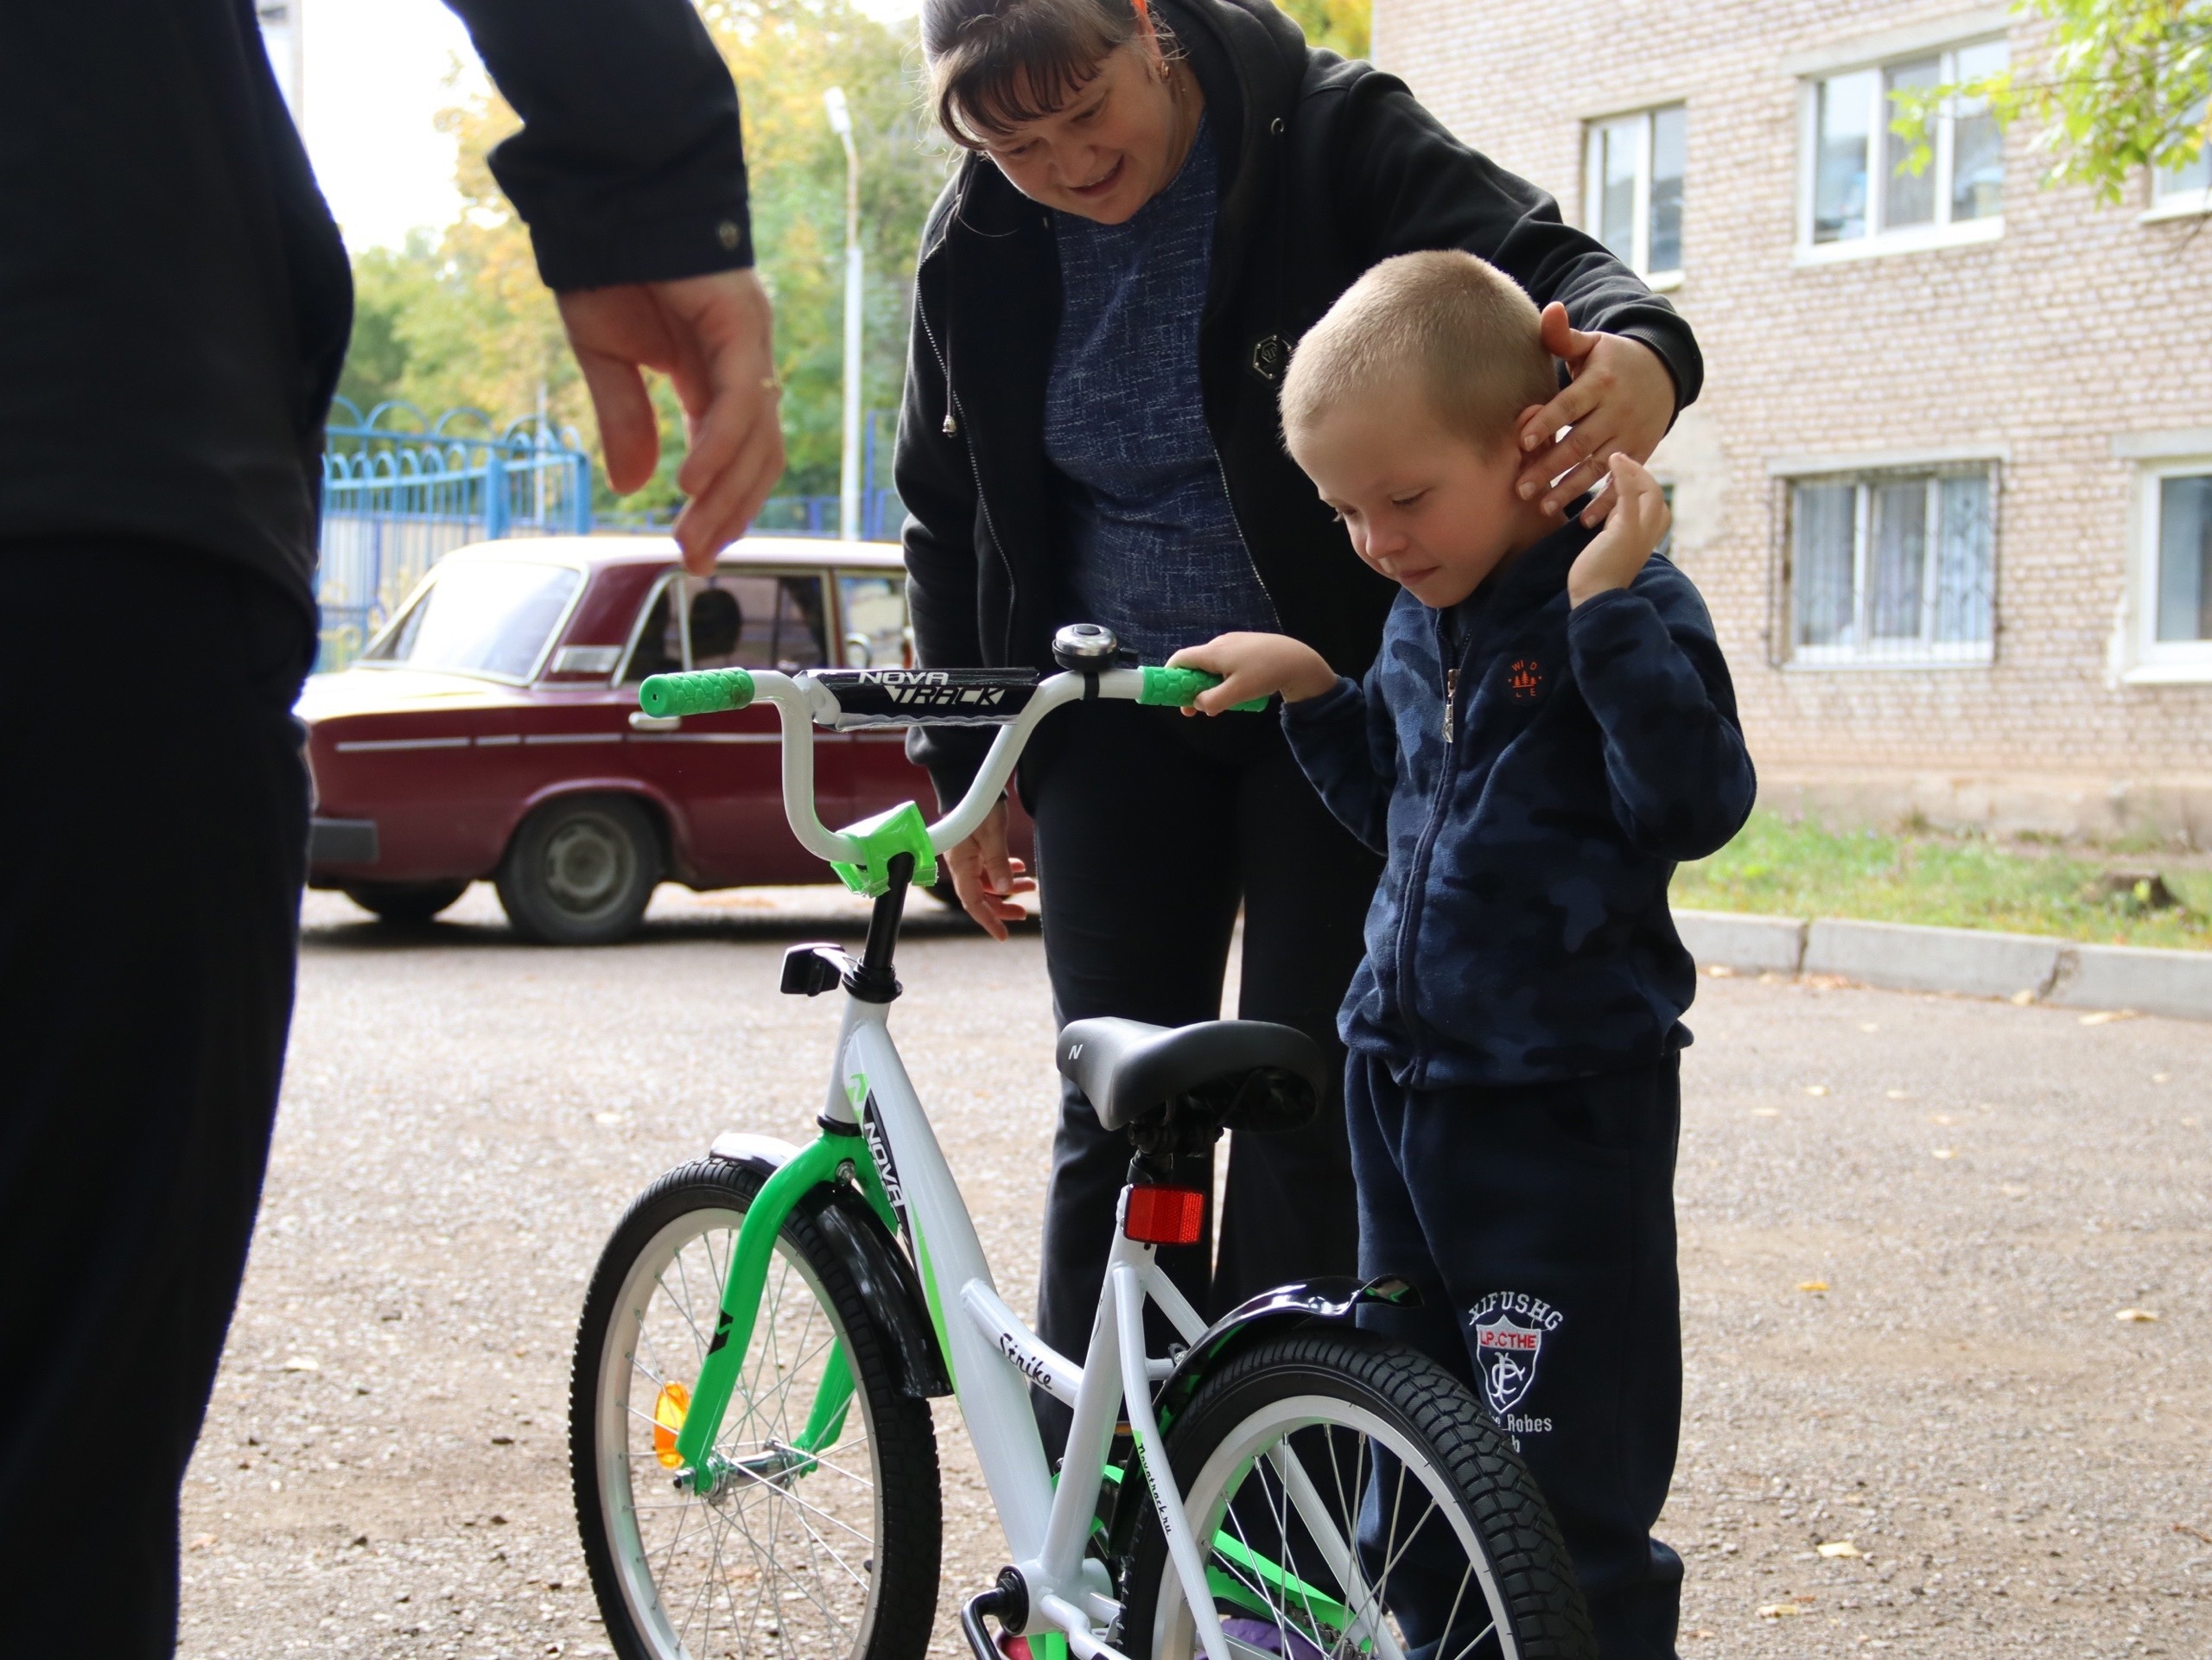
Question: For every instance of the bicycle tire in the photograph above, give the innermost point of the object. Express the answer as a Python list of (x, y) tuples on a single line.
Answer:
[(1341, 1383), (676, 1574)]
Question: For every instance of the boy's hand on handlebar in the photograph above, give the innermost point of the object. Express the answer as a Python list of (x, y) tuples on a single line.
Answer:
[(1254, 666), (987, 877)]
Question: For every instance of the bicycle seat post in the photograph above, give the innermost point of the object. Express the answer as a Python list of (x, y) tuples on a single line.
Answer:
[(875, 981)]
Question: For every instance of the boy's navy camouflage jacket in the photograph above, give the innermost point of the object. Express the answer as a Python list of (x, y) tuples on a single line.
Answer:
[(1532, 774)]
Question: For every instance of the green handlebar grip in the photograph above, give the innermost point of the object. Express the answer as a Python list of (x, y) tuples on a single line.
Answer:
[(703, 691), (1178, 688)]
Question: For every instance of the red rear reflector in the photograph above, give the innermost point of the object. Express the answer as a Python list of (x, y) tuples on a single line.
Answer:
[(1164, 1215)]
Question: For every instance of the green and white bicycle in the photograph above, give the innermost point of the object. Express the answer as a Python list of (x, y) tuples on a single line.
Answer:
[(755, 1466)]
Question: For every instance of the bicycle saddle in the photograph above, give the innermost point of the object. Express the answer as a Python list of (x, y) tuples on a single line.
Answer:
[(1229, 1074)]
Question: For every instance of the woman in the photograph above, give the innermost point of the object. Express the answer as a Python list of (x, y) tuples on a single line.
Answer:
[(1156, 204)]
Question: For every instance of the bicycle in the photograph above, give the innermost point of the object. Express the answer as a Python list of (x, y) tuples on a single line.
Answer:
[(752, 1453)]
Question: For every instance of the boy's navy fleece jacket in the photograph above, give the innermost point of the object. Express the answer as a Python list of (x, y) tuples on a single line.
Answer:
[(1519, 933)]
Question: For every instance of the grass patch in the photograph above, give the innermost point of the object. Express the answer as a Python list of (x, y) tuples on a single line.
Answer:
[(1782, 868)]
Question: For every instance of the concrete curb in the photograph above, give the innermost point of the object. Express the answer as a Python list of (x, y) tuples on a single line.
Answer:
[(2026, 967)]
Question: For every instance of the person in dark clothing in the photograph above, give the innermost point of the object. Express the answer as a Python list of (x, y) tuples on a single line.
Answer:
[(174, 307), (1160, 200), (1548, 727)]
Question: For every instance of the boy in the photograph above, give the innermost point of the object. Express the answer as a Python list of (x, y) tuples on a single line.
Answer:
[(1547, 729)]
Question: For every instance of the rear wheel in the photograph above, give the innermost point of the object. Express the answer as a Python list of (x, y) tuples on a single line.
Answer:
[(580, 871), (405, 902), (1357, 1502), (831, 1556)]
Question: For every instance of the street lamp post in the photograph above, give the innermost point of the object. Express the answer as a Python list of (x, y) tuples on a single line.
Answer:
[(849, 493)]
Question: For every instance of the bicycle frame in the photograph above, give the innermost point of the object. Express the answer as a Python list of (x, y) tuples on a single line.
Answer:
[(874, 1126)]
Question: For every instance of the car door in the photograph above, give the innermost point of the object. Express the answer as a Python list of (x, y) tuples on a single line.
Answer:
[(725, 771)]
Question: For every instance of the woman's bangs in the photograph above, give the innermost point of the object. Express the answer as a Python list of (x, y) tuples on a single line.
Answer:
[(1013, 70)]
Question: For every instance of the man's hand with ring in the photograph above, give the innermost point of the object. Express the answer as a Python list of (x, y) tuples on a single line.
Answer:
[(713, 337)]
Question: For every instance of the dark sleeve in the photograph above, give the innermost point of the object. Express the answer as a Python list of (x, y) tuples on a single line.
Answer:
[(1345, 744), (630, 165), (937, 482), (1405, 184), (1648, 665)]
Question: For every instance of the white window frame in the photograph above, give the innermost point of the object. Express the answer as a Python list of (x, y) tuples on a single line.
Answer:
[(1593, 187), (1944, 231), (2152, 661), (2185, 201), (1862, 472)]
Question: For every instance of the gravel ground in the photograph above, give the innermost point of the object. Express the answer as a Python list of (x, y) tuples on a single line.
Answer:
[(1997, 1464)]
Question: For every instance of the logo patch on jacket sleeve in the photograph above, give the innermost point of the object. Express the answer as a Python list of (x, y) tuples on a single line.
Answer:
[(1509, 1328), (1525, 678)]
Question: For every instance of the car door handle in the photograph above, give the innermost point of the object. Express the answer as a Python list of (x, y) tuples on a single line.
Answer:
[(641, 721)]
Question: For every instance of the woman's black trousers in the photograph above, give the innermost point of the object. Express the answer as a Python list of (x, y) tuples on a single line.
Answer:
[(1152, 829)]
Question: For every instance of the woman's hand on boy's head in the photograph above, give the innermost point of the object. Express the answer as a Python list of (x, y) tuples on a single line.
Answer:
[(1254, 666), (1638, 519), (1621, 403)]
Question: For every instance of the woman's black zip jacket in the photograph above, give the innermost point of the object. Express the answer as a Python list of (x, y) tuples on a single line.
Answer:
[(1328, 167)]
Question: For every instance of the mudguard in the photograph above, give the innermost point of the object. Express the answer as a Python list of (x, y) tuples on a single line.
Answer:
[(881, 1271), (1306, 1302)]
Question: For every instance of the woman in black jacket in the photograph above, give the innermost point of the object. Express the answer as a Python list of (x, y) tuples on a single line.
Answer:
[(1156, 207)]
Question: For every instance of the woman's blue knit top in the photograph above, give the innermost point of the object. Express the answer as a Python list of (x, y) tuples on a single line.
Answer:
[(1155, 552)]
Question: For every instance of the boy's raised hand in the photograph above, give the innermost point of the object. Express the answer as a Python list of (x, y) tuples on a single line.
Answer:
[(1638, 520), (1254, 666)]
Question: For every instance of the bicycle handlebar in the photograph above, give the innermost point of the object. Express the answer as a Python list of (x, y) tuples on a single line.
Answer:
[(920, 697)]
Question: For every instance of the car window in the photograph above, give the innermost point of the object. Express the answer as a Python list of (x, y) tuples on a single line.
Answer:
[(481, 616), (741, 619), (738, 619), (659, 649), (876, 636)]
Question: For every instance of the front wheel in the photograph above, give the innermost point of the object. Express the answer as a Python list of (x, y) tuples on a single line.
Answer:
[(1357, 1502), (823, 1546)]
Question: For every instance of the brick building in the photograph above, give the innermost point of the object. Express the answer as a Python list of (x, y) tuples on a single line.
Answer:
[(1948, 490)]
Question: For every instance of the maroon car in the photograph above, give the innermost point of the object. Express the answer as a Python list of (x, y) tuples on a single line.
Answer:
[(493, 729)]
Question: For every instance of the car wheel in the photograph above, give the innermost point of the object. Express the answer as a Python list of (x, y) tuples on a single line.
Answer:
[(580, 872), (405, 902)]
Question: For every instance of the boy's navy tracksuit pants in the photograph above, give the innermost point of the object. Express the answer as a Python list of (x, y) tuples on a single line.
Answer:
[(1538, 1223)]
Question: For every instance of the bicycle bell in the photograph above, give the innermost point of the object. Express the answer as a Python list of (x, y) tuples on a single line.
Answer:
[(1085, 648)]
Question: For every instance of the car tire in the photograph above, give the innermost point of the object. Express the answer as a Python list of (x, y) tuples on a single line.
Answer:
[(405, 902), (579, 871)]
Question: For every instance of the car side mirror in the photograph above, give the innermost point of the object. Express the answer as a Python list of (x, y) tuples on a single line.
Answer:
[(859, 654)]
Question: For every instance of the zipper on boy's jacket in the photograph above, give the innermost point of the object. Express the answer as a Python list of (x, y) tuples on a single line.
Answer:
[(1425, 844)]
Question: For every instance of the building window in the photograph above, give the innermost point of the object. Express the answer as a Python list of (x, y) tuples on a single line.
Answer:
[(1892, 568), (2174, 560), (1856, 198), (2186, 188), (1633, 187)]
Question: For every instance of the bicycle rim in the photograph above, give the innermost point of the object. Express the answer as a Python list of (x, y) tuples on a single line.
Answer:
[(779, 1560), (1279, 1591)]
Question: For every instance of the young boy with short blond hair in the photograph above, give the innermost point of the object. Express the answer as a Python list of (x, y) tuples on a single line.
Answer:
[(1548, 727)]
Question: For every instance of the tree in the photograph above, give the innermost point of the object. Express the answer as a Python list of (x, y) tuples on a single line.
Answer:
[(1342, 26), (2118, 86)]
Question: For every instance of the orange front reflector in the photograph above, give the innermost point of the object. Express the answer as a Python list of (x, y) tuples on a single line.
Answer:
[(1164, 1215), (669, 1408)]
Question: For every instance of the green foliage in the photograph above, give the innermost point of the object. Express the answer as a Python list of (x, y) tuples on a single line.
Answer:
[(1342, 26), (2119, 85), (1778, 868), (459, 318)]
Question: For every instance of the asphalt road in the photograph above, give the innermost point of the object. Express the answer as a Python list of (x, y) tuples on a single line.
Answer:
[(2000, 1465)]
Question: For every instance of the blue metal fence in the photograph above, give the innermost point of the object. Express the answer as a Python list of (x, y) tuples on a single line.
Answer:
[(399, 490)]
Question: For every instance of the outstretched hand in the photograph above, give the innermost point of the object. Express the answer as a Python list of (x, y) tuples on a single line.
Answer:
[(712, 336), (1639, 520), (1254, 666), (1621, 403)]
